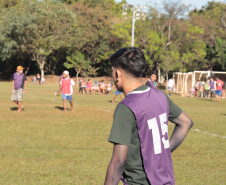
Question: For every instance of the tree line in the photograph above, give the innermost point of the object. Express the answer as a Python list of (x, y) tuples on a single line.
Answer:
[(80, 35)]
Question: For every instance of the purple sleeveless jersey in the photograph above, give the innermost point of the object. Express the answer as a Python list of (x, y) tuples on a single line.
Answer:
[(18, 80), (151, 83), (151, 110)]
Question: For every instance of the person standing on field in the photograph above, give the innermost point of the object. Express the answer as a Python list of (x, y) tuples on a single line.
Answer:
[(171, 84), (219, 89), (19, 80), (152, 81), (142, 148), (66, 86), (212, 87)]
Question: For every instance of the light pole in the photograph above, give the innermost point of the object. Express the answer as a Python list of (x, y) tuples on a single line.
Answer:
[(138, 13)]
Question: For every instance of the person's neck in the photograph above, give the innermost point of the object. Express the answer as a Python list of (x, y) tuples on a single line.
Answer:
[(131, 84)]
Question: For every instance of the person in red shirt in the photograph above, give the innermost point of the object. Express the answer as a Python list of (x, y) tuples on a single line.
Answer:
[(219, 89), (66, 85)]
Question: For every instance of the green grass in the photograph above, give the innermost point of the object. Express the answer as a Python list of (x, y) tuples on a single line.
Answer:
[(44, 145)]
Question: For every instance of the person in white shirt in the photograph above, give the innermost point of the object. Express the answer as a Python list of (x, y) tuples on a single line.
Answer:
[(66, 86), (170, 85)]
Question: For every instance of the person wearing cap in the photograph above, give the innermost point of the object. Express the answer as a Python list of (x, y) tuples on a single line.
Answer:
[(19, 79), (66, 86)]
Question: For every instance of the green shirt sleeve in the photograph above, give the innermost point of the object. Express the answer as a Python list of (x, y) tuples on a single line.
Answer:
[(121, 131), (174, 110)]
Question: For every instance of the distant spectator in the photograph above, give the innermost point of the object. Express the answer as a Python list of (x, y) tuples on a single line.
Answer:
[(43, 80), (38, 79), (95, 87), (102, 87), (207, 88), (219, 89), (83, 86), (202, 89), (223, 90), (34, 80), (171, 85), (197, 88), (109, 87), (89, 87), (212, 87), (192, 92)]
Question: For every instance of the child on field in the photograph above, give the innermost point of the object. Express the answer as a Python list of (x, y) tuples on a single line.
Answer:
[(83, 86), (102, 87), (95, 87), (192, 92), (89, 87), (34, 79), (109, 87)]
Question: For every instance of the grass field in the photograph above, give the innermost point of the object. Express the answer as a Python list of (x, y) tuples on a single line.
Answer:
[(44, 145)]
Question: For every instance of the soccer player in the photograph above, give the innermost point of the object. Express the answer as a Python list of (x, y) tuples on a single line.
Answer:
[(19, 79), (142, 148), (219, 89), (170, 85), (152, 81), (66, 85)]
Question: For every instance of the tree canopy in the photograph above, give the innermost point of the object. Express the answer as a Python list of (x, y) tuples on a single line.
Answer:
[(43, 35)]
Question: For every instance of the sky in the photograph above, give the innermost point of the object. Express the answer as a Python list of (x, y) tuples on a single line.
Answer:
[(195, 3)]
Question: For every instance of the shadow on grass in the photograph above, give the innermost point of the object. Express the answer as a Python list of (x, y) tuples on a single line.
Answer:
[(60, 108), (15, 109), (223, 114), (206, 99)]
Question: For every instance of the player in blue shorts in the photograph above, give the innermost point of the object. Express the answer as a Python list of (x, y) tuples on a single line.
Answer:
[(116, 94)]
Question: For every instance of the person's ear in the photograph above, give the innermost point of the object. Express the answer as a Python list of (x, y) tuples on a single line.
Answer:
[(118, 75)]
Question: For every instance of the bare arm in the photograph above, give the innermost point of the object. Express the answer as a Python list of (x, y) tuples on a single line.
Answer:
[(25, 89), (12, 87), (117, 164), (183, 125)]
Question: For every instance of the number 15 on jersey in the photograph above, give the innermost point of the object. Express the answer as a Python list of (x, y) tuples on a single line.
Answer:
[(153, 125)]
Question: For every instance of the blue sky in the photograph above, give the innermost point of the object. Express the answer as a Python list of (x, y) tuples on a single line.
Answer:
[(194, 3)]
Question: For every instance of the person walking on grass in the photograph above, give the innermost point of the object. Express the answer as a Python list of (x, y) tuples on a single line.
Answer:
[(142, 148), (116, 94), (152, 81), (218, 92), (66, 86), (19, 80)]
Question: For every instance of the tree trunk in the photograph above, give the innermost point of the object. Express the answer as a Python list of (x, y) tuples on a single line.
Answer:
[(77, 73), (159, 73), (28, 67), (167, 78), (41, 63), (162, 76)]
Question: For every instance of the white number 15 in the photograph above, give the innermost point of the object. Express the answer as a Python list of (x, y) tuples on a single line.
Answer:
[(153, 125)]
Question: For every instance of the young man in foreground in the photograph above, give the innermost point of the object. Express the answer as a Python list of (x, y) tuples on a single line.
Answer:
[(66, 86), (19, 79), (142, 149), (152, 81)]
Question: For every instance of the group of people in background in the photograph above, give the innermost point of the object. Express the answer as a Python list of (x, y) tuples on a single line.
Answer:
[(38, 79), (209, 88), (90, 88)]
